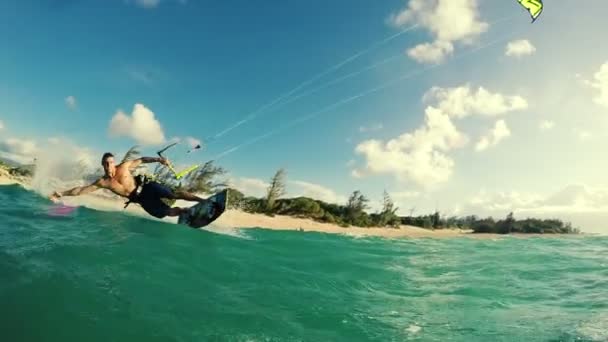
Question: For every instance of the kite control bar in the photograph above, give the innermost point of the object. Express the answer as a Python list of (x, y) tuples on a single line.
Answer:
[(181, 174), (160, 153)]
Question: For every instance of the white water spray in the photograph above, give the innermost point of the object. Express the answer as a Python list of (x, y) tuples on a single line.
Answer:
[(59, 165)]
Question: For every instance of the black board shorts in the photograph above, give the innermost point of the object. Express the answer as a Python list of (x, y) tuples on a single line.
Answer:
[(151, 197)]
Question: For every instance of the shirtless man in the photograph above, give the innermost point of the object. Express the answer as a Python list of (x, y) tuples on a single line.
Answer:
[(119, 180)]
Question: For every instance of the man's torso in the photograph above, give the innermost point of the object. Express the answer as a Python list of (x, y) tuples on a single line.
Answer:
[(121, 184)]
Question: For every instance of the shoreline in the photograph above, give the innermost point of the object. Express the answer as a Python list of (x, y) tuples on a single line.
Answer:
[(237, 219)]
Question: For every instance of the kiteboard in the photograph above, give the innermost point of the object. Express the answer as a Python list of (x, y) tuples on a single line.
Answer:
[(205, 212)]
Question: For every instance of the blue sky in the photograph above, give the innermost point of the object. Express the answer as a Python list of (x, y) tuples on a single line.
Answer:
[(201, 67)]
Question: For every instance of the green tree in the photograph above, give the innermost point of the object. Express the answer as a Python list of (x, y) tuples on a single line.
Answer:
[(22, 171), (357, 202), (328, 218), (276, 189), (203, 179), (300, 206), (507, 225), (253, 205), (132, 153), (436, 219), (355, 210), (427, 222), (487, 225), (387, 216), (235, 198), (163, 174)]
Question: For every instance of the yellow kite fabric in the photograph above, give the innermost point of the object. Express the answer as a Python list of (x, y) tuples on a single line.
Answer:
[(534, 7)]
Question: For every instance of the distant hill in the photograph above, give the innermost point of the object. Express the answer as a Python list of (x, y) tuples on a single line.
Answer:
[(14, 160), (9, 162)]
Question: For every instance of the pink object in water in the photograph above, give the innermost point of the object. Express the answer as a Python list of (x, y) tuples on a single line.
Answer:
[(61, 210)]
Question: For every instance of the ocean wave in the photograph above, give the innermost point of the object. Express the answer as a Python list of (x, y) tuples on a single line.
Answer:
[(100, 276)]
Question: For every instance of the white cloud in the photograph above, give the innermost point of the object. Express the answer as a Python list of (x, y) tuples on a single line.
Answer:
[(70, 101), (357, 174), (316, 191), (502, 201), (600, 82), (546, 125), (372, 128), (571, 198), (257, 187), (250, 186), (422, 156), (432, 53), (462, 101), (449, 21), (1, 125), (419, 156), (494, 136), (404, 195), (22, 151), (141, 126), (22, 147), (519, 48)]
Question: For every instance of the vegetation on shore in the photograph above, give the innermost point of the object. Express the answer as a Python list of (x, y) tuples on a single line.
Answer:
[(22, 171), (355, 212)]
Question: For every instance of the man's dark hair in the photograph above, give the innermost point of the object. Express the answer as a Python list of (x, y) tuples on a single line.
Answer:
[(106, 156)]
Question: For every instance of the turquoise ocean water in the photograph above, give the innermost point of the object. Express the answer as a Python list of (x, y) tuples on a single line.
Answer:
[(103, 276)]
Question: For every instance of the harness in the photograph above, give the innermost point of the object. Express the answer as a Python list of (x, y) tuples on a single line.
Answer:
[(140, 181)]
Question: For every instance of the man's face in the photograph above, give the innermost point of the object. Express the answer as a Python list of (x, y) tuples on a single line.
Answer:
[(108, 165)]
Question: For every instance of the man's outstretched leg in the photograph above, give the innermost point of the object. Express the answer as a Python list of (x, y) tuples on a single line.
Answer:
[(183, 195), (187, 196), (175, 211)]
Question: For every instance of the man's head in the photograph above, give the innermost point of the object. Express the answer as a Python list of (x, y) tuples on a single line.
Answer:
[(107, 161)]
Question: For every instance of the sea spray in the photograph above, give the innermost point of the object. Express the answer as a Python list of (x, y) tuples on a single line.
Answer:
[(61, 164)]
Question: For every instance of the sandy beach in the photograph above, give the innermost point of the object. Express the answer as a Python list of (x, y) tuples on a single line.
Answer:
[(236, 219)]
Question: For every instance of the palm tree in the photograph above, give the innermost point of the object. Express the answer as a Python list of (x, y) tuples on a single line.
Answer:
[(203, 179), (131, 154), (276, 189)]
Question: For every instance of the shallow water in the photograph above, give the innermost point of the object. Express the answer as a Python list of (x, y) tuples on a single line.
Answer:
[(103, 276)]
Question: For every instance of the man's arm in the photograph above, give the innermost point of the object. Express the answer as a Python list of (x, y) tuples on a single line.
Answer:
[(79, 190), (132, 164)]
